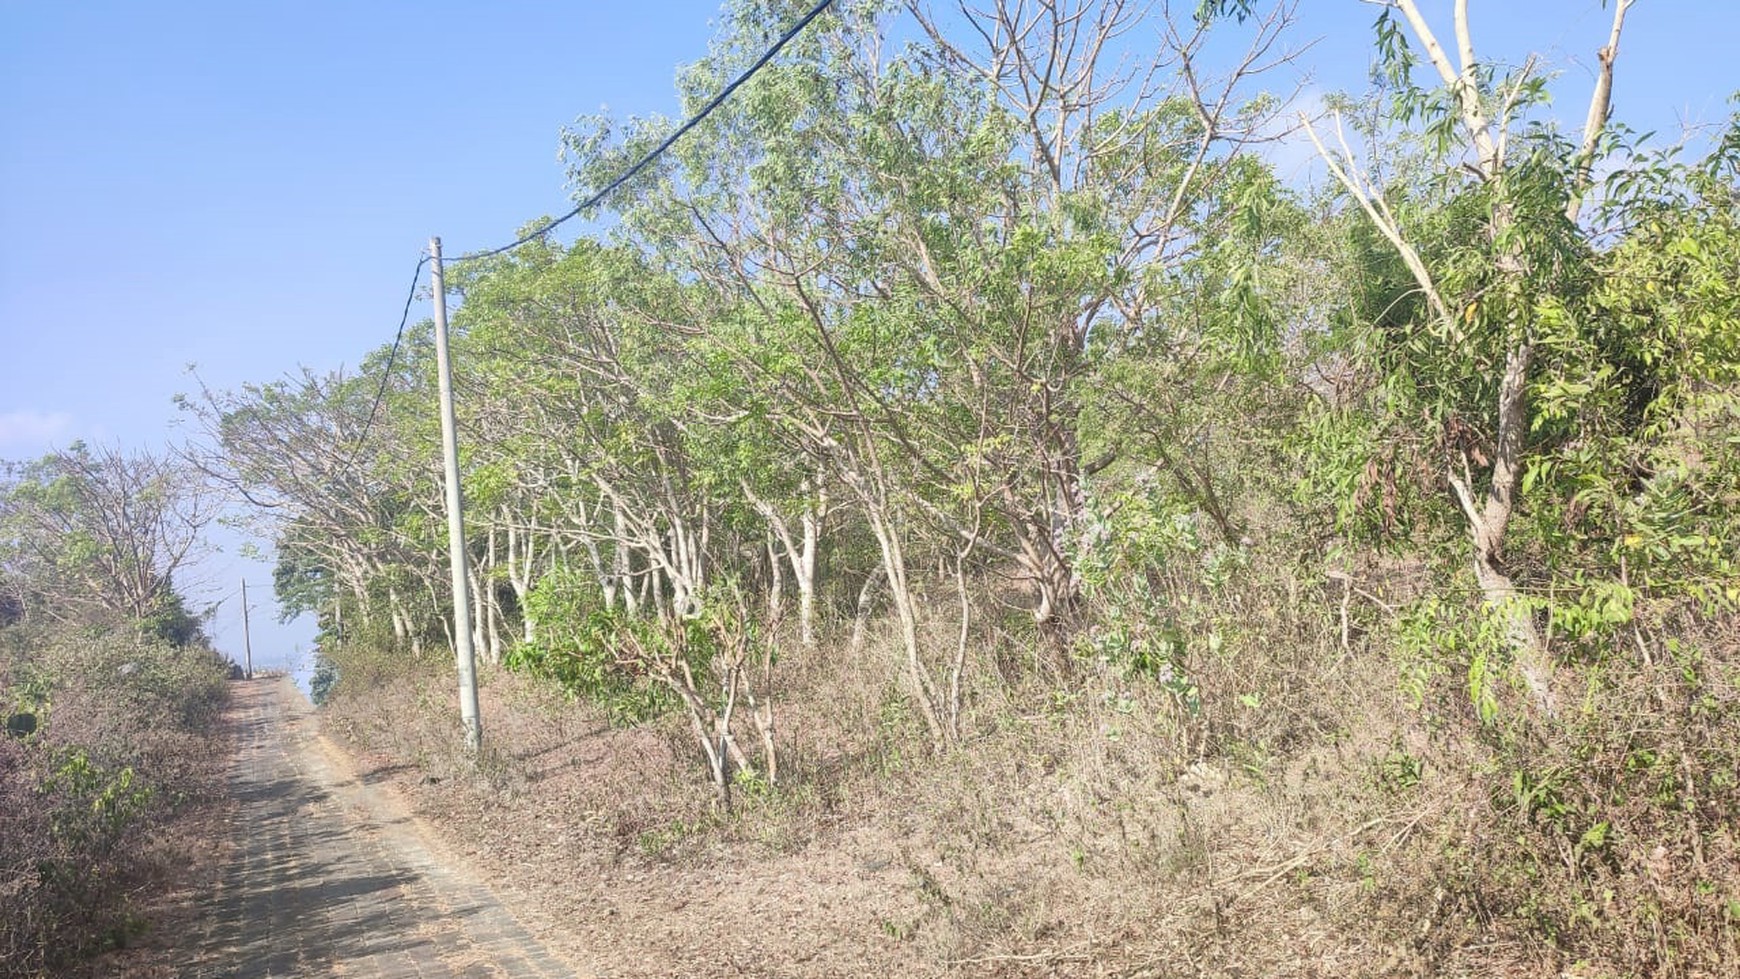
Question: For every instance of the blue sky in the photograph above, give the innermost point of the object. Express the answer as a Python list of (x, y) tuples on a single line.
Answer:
[(245, 186)]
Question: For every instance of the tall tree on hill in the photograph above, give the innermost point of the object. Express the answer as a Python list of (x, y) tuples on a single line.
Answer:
[(1491, 335), (291, 451), (98, 535), (925, 265)]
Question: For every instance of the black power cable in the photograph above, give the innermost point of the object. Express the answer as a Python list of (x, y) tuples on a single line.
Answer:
[(392, 357), (590, 202), (668, 142)]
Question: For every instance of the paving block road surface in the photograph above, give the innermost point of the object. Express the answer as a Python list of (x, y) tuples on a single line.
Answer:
[(331, 877)]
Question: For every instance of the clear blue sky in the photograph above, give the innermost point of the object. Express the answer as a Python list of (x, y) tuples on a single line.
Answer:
[(245, 186)]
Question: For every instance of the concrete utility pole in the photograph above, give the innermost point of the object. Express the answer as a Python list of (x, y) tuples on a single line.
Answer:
[(247, 640), (455, 513)]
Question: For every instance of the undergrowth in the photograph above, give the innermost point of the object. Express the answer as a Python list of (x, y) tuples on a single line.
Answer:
[(114, 750), (1267, 772)]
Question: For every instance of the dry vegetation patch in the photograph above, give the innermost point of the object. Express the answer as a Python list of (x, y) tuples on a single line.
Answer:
[(109, 809), (1068, 835)]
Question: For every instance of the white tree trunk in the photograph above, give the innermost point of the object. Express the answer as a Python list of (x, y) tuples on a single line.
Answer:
[(906, 610)]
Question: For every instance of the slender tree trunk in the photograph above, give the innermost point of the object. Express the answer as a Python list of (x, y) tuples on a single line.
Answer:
[(521, 558), (401, 629), (800, 552), (1489, 519), (958, 667), (776, 578), (906, 610), (806, 576), (861, 615)]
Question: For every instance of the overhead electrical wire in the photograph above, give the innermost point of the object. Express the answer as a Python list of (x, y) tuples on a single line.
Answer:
[(669, 141), (392, 358), (593, 201)]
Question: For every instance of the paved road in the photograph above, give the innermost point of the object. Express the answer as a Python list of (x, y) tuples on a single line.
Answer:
[(331, 877)]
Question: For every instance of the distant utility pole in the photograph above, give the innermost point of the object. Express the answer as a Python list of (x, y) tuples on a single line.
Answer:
[(247, 640), (455, 513)]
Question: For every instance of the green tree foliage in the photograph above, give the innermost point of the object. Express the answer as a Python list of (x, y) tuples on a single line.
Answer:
[(95, 536), (938, 316), (1636, 489), (1513, 378)]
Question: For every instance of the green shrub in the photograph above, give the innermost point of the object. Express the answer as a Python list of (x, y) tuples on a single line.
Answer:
[(587, 656), (609, 656), (325, 678)]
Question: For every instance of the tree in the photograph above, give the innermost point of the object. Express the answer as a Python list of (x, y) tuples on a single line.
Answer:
[(289, 450), (98, 535), (1489, 272), (921, 276)]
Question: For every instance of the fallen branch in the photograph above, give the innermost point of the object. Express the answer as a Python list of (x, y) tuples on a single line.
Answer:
[(1273, 873), (1069, 954)]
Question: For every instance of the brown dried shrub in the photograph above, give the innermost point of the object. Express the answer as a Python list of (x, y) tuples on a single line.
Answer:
[(122, 748)]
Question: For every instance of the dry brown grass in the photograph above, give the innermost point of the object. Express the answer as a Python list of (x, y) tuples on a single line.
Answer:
[(1308, 818)]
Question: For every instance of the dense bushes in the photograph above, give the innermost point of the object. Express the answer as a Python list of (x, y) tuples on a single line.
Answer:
[(602, 654), (590, 663), (122, 745)]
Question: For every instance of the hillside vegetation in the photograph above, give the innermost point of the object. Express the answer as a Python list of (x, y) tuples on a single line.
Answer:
[(964, 454), (112, 758)]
